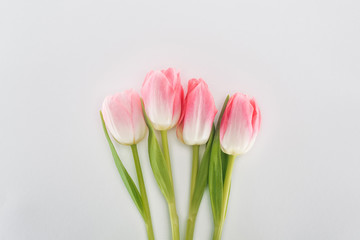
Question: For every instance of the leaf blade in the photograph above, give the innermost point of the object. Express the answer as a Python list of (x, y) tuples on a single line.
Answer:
[(158, 162), (202, 176), (216, 171), (224, 161), (129, 183)]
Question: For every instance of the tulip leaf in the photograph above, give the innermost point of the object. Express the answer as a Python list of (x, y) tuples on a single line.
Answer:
[(129, 183), (202, 176), (216, 171), (158, 162), (224, 161)]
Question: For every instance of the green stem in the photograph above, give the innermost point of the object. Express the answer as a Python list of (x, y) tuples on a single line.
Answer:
[(225, 199), (174, 221), (147, 215), (227, 184), (195, 165), (190, 226), (165, 144), (217, 232)]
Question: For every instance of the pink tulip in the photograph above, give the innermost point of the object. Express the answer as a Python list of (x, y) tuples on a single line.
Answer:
[(239, 125), (124, 118), (163, 98), (198, 114)]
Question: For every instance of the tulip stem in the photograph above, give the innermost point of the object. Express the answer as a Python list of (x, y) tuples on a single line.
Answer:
[(165, 144), (225, 198), (174, 219), (190, 226), (147, 215), (195, 165)]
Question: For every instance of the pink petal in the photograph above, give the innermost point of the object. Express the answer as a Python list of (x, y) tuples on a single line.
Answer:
[(198, 113)]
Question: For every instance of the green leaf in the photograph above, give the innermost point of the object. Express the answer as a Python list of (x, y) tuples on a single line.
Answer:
[(216, 171), (224, 161), (202, 176), (129, 183), (158, 162)]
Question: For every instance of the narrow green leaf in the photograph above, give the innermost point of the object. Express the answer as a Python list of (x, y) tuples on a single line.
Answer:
[(224, 161), (129, 183), (158, 162), (216, 171), (202, 176)]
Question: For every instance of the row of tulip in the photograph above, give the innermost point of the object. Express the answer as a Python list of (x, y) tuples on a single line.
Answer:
[(163, 106)]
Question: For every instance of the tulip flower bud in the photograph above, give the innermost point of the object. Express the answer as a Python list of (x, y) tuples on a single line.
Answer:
[(163, 98), (198, 114), (239, 125), (124, 118)]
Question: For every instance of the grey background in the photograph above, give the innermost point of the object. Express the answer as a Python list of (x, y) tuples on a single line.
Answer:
[(59, 59)]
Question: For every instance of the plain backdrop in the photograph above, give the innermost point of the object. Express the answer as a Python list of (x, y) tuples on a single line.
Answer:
[(299, 59)]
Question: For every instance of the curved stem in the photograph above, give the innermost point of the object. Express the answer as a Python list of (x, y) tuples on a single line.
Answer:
[(147, 215), (227, 183)]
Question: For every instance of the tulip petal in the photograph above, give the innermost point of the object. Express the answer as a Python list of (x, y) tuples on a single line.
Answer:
[(178, 101), (158, 99), (255, 122), (199, 113), (236, 127), (117, 119), (139, 125), (123, 117), (163, 97), (170, 76)]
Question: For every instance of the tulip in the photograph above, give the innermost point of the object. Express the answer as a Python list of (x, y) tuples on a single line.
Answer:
[(194, 129), (123, 117), (198, 114), (163, 97), (239, 125)]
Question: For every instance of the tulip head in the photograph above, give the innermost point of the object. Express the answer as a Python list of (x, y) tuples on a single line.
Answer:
[(163, 98), (197, 115), (124, 118), (240, 124)]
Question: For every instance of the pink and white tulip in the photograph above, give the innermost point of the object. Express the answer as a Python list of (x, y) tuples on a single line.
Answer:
[(163, 97), (240, 124), (124, 118), (198, 114)]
